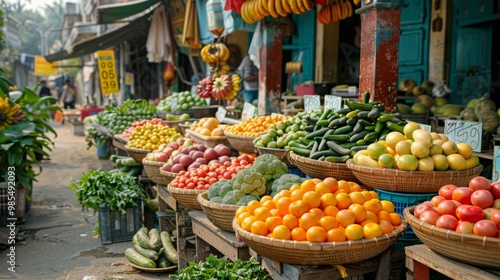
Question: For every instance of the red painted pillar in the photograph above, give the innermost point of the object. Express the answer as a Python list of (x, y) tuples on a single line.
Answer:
[(380, 27), (271, 57)]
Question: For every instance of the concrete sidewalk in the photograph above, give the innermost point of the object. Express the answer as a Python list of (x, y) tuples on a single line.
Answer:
[(58, 241)]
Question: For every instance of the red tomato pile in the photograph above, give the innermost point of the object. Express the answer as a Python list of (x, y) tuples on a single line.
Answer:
[(126, 134), (202, 177), (474, 209)]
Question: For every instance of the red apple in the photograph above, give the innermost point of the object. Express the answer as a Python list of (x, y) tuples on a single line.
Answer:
[(482, 198), (447, 207), (479, 183), (429, 217), (197, 154), (193, 148), (462, 195), (193, 165), (162, 147), (202, 148), (495, 189), (465, 227), (485, 228), (185, 150), (180, 141), (447, 222), (437, 199), (222, 150), (174, 145), (446, 191), (161, 157), (470, 213)]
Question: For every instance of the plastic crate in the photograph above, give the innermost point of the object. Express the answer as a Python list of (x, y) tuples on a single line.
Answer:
[(118, 227), (296, 171), (402, 243)]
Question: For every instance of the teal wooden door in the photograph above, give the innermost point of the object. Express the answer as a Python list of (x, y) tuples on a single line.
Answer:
[(414, 41)]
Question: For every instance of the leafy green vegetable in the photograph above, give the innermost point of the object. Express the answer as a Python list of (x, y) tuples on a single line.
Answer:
[(215, 268), (117, 191)]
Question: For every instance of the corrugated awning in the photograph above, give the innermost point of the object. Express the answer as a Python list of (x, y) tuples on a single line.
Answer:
[(113, 12), (136, 27)]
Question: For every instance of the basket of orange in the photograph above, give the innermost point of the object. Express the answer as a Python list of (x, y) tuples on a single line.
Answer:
[(319, 222), (241, 136)]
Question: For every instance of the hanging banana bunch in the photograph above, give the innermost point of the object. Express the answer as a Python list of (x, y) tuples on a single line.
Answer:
[(255, 10), (216, 55), (335, 10), (9, 114)]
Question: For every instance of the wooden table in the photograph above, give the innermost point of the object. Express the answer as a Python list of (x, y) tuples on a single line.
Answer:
[(208, 234), (420, 260), (183, 230)]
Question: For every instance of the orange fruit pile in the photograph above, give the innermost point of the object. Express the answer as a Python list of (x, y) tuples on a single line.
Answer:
[(208, 127), (318, 211), (255, 126)]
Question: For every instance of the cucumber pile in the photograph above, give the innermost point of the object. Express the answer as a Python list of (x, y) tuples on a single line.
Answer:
[(118, 119), (152, 249), (279, 136), (127, 165), (337, 135)]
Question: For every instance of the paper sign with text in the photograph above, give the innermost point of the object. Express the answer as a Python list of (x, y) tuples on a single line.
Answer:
[(496, 164), (464, 132), (173, 103), (248, 111), (107, 72), (425, 127), (312, 102), (220, 114), (333, 102)]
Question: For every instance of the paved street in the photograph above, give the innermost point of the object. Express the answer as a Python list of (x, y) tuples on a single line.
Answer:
[(58, 241)]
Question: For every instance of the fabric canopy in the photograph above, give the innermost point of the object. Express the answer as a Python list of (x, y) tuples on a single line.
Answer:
[(113, 12), (104, 41)]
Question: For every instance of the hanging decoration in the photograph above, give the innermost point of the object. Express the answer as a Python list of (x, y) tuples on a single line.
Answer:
[(191, 32), (234, 5), (215, 17)]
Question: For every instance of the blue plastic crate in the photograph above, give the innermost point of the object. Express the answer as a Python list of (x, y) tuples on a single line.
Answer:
[(296, 171)]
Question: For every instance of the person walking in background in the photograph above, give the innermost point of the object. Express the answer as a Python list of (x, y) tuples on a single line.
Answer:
[(250, 75), (44, 90), (68, 96)]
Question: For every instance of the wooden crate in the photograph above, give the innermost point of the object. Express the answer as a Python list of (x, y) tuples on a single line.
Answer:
[(208, 234), (421, 262), (388, 265)]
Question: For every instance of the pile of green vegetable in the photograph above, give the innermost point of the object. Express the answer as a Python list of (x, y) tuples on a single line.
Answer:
[(251, 183), (117, 119), (215, 268), (337, 135), (126, 165), (152, 249), (180, 101), (279, 136)]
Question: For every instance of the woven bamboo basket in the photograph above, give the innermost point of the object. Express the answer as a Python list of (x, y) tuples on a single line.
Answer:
[(183, 127), (322, 169), (207, 141), (221, 215), (186, 197), (242, 144), (463, 247), (411, 181), (137, 154), (318, 253), (152, 168), (279, 153), (120, 139), (168, 176)]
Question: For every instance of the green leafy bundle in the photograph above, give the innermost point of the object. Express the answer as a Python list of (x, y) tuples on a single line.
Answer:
[(215, 268), (116, 191)]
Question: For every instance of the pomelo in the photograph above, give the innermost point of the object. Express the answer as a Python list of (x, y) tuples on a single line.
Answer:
[(449, 147), (393, 138), (420, 149), (403, 147), (425, 164), (386, 161), (422, 135), (464, 149), (440, 162), (435, 150), (376, 149), (471, 162), (407, 163), (457, 162), (409, 128)]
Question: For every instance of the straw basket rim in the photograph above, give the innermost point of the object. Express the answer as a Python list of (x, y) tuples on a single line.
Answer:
[(120, 139), (228, 135), (322, 169), (152, 169), (204, 137), (207, 203), (183, 190), (185, 197), (168, 174), (220, 215), (320, 252), (137, 150), (476, 246), (241, 143), (145, 161), (410, 181)]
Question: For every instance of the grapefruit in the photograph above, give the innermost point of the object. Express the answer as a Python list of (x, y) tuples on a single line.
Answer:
[(403, 147), (407, 163), (457, 162), (409, 128), (386, 161), (376, 149), (471, 162), (435, 150), (449, 147), (422, 135), (464, 149), (425, 164), (393, 138), (420, 149), (440, 162)]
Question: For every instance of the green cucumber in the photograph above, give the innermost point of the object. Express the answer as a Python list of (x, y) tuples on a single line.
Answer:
[(343, 130), (301, 151), (134, 257), (326, 114), (366, 97), (359, 148), (322, 144), (148, 253), (309, 128), (374, 113), (378, 126), (154, 239), (365, 122), (337, 159), (343, 111), (385, 118), (358, 136), (395, 120), (326, 153), (334, 123), (347, 145), (352, 121), (338, 149), (361, 142), (343, 120), (296, 143), (361, 106), (163, 262), (322, 123), (311, 121), (319, 132), (143, 240), (169, 251), (363, 114), (394, 127), (370, 127), (358, 128), (314, 147), (370, 137), (337, 137)]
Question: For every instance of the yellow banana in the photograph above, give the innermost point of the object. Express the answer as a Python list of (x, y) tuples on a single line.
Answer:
[(272, 9), (294, 7), (308, 4), (279, 8), (349, 7), (302, 9), (256, 12), (244, 15), (286, 6), (262, 8), (265, 5), (356, 2)]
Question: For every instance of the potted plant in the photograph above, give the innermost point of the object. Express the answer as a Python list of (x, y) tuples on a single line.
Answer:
[(99, 136), (24, 133)]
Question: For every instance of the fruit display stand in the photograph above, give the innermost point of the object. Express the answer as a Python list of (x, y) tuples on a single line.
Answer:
[(181, 226), (322, 169), (411, 181), (209, 141), (223, 241), (423, 263)]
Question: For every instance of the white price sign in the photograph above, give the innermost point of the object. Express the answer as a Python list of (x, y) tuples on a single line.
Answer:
[(173, 103), (333, 102), (312, 102), (465, 132), (425, 127), (248, 111), (220, 114), (496, 164)]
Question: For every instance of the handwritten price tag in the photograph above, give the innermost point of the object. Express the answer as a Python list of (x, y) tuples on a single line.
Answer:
[(333, 102), (464, 132), (496, 164), (248, 111), (312, 102), (220, 114), (173, 102), (425, 127)]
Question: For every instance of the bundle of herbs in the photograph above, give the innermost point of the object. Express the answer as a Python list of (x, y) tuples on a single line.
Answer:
[(216, 268)]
